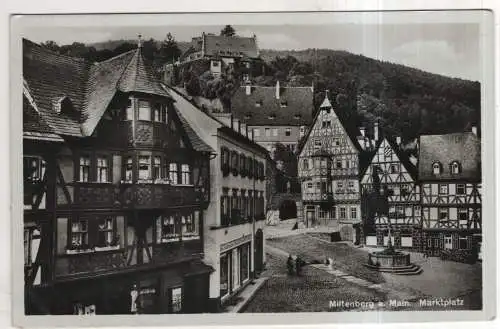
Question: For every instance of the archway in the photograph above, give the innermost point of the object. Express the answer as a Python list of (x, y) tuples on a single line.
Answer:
[(287, 209)]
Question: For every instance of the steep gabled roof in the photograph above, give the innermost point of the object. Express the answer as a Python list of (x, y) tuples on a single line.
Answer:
[(89, 87), (49, 76), (196, 142), (230, 46), (403, 158), (297, 112), (462, 147), (34, 126), (350, 128)]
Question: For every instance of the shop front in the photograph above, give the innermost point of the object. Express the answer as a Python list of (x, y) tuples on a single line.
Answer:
[(234, 269), (183, 289)]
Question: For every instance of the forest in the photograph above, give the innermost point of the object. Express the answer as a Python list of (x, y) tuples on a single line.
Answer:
[(404, 100)]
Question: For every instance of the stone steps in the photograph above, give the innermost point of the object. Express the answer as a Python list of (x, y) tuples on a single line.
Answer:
[(411, 269)]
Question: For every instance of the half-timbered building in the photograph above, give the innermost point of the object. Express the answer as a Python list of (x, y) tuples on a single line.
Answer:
[(234, 226), (450, 178), (328, 167), (395, 177), (115, 190)]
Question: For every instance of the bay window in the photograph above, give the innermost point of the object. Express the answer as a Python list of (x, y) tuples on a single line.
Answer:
[(129, 111), (144, 167), (157, 167), (144, 110), (128, 169)]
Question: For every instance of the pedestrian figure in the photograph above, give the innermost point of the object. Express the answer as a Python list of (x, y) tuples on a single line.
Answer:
[(289, 264), (298, 265)]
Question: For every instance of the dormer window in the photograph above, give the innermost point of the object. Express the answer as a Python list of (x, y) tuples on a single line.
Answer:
[(455, 168), (436, 168), (62, 104), (283, 103)]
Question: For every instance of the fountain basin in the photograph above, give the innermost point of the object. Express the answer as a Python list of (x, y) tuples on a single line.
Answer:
[(392, 261)]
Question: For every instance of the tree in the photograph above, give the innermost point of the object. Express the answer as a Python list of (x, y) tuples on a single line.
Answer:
[(228, 31), (169, 50), (52, 45)]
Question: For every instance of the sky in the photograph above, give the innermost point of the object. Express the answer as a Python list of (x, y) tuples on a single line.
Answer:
[(446, 48)]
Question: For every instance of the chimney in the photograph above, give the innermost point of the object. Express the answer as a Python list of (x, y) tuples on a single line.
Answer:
[(375, 131), (474, 130), (278, 89), (398, 140), (139, 41), (248, 90), (362, 131)]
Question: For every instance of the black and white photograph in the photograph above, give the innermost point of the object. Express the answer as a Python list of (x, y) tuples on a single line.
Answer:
[(236, 164)]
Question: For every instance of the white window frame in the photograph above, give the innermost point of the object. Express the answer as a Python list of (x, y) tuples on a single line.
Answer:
[(256, 132), (141, 115), (275, 132)]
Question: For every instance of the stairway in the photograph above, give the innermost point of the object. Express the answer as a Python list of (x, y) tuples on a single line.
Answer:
[(411, 269)]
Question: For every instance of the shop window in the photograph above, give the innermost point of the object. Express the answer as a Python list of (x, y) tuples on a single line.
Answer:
[(244, 263), (85, 169), (144, 110), (102, 170), (176, 300), (173, 174), (224, 274), (185, 174)]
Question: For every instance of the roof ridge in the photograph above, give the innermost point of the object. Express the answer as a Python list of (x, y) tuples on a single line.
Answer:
[(114, 57), (52, 52)]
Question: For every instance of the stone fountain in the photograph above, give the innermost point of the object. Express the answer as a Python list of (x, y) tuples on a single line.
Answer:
[(392, 261)]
